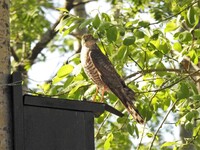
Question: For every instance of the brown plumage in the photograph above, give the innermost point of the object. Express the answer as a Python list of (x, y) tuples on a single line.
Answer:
[(101, 71)]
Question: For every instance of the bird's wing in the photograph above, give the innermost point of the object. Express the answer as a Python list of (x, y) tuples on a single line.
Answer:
[(113, 81), (105, 68)]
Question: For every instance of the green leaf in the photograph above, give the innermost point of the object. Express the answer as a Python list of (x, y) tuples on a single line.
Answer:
[(65, 70), (56, 79), (199, 3), (197, 33), (70, 29), (177, 46), (65, 22), (111, 34), (104, 26), (129, 40), (185, 36), (167, 144), (189, 126), (171, 26), (189, 116), (191, 16), (46, 87), (136, 131), (122, 53), (122, 31), (146, 112), (130, 129), (164, 47), (78, 77), (195, 112), (61, 25), (75, 86), (144, 24), (149, 134), (154, 103), (159, 81), (131, 23), (184, 91), (108, 140), (193, 55), (139, 34), (96, 21), (196, 97), (54, 90), (106, 17), (193, 87), (85, 23), (68, 81), (160, 66), (121, 120), (62, 9), (167, 103)]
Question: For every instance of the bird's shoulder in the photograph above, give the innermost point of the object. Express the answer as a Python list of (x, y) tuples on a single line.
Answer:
[(105, 67), (99, 59)]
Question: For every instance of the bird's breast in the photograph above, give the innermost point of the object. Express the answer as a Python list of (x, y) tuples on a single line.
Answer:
[(89, 67)]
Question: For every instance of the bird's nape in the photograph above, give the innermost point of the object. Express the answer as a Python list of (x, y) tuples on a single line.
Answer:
[(88, 37)]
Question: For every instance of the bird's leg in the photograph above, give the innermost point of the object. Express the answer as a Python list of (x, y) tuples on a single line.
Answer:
[(102, 94), (95, 94)]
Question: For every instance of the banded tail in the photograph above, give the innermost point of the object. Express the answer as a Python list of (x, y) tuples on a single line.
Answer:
[(126, 95)]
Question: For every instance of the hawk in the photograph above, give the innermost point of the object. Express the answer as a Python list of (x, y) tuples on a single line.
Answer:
[(101, 71)]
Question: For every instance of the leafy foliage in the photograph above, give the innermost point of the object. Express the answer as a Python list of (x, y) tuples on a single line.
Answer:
[(157, 57)]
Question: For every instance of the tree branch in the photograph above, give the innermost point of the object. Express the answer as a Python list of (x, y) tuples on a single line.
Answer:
[(156, 70), (186, 8), (160, 126), (169, 86), (48, 35), (168, 18)]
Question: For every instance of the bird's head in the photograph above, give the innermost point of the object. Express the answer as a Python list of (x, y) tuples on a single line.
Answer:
[(88, 40)]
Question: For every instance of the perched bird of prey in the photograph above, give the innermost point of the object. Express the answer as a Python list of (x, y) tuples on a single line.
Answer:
[(101, 71)]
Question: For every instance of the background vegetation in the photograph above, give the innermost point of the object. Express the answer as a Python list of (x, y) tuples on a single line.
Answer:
[(153, 44)]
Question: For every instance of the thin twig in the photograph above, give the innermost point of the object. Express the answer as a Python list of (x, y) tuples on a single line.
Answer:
[(53, 95), (156, 70), (169, 86), (142, 136), (16, 83), (135, 62), (160, 126), (157, 22), (98, 131)]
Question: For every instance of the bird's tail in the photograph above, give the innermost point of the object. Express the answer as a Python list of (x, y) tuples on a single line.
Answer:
[(127, 97)]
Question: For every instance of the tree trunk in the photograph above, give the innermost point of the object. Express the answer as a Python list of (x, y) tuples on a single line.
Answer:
[(5, 103)]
